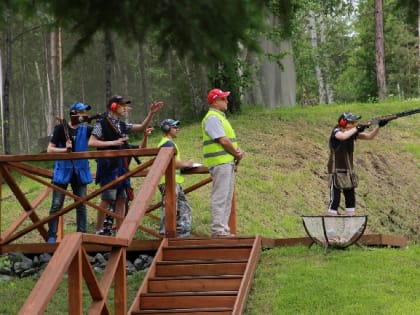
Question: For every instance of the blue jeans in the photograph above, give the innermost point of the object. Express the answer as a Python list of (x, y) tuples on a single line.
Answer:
[(57, 204)]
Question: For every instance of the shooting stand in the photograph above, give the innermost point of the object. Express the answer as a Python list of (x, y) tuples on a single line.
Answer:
[(335, 231)]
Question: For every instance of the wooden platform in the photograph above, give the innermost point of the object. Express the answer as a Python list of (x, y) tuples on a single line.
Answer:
[(153, 245)]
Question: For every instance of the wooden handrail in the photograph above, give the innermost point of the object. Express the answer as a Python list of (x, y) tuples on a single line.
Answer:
[(70, 255)]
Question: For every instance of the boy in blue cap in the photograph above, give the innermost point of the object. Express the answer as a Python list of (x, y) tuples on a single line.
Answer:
[(74, 172), (170, 128)]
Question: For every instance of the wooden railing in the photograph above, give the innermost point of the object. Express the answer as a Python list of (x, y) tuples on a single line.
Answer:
[(71, 254)]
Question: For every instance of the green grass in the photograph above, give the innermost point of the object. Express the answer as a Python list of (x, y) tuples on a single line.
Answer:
[(354, 281), (282, 177)]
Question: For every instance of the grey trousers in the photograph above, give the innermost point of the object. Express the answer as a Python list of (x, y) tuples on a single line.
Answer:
[(223, 177)]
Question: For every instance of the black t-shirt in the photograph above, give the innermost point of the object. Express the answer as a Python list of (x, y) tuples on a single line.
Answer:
[(59, 139), (341, 149)]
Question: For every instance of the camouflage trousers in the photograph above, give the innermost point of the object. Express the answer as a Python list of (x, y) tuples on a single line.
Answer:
[(183, 212)]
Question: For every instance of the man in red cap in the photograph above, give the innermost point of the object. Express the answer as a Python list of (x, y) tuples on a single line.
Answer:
[(221, 152)]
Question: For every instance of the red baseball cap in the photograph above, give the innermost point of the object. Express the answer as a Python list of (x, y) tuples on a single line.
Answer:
[(216, 93)]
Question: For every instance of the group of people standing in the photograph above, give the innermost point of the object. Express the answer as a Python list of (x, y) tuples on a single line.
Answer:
[(220, 153), (111, 132)]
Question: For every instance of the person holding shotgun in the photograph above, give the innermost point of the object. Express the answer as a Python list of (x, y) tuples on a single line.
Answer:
[(341, 143), (111, 133), (70, 137)]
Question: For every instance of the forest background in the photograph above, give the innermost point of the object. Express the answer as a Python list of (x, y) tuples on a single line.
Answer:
[(286, 53)]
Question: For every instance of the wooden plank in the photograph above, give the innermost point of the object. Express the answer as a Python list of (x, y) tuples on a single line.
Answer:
[(206, 253), (99, 245), (78, 155), (383, 240), (75, 278), (248, 277), (194, 284), (170, 200), (200, 269), (195, 300), (120, 287), (194, 311), (205, 241)]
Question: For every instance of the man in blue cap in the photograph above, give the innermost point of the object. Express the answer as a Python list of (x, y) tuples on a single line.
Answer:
[(70, 137)]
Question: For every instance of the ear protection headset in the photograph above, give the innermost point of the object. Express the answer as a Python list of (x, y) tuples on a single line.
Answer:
[(165, 127), (342, 122), (113, 106)]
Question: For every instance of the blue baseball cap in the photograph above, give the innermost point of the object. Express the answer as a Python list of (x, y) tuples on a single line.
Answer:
[(78, 107)]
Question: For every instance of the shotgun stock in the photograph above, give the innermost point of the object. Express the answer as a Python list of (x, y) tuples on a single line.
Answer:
[(117, 133), (63, 122)]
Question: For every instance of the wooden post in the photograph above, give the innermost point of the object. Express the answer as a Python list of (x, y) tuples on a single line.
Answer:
[(120, 287), (232, 218), (170, 200), (75, 281), (60, 228)]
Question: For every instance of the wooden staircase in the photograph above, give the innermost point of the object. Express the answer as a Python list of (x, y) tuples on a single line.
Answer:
[(199, 276)]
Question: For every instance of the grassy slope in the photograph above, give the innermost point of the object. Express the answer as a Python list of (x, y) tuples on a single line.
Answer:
[(283, 174), (282, 177)]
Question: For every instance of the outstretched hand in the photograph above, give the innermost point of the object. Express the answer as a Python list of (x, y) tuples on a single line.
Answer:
[(156, 106)]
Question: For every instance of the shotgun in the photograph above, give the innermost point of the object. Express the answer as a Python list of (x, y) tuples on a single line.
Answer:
[(376, 120), (117, 133), (78, 119)]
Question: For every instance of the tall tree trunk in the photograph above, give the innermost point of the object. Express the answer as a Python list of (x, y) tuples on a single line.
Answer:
[(109, 57), (49, 72), (314, 45), (275, 81), (418, 37), (379, 50), (60, 72), (1, 99), (143, 76), (53, 72), (329, 93), (6, 90)]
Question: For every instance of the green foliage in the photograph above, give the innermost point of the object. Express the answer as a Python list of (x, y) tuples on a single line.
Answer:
[(5, 262), (193, 28)]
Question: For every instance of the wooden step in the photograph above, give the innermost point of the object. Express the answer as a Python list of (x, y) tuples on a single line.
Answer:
[(211, 241), (199, 277), (194, 284), (208, 252), (200, 268), (189, 311), (187, 300)]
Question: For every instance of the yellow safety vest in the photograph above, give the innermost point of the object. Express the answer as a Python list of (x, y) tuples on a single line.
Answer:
[(214, 153)]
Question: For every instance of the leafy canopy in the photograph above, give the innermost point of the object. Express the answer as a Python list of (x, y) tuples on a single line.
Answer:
[(206, 31)]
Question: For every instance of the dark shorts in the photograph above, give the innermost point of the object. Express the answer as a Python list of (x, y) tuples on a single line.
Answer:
[(114, 194)]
